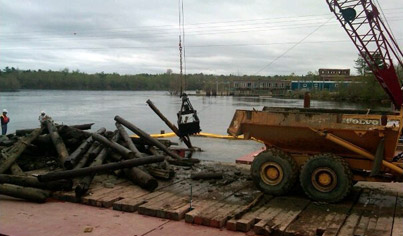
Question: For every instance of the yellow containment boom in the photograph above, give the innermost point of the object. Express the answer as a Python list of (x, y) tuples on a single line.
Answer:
[(201, 134)]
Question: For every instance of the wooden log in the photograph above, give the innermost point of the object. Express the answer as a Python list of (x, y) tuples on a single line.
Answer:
[(10, 154), (141, 178), (114, 145), (165, 142), (161, 170), (72, 160), (27, 193), (86, 181), (83, 126), (57, 142), (161, 173), (92, 152), (183, 162), (22, 132), (206, 175), (15, 169), (31, 181), (127, 140), (175, 129), (74, 157), (146, 137), (43, 139), (71, 133), (177, 162), (136, 175), (96, 169)]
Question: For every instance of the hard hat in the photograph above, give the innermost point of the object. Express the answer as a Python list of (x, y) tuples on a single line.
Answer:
[(42, 112), (5, 110)]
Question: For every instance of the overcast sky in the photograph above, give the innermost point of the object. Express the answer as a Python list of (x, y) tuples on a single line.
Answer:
[(222, 37)]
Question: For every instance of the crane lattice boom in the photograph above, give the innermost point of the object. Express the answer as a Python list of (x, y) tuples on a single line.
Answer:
[(375, 43)]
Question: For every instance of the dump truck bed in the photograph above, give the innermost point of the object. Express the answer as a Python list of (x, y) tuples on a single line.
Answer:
[(296, 130)]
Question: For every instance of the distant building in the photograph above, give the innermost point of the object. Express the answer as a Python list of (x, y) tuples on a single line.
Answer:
[(318, 85), (334, 74), (256, 87)]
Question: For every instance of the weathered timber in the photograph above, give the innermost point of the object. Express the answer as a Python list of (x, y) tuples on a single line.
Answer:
[(127, 139), (86, 181), (105, 167), (15, 169), (27, 193), (31, 181), (206, 175), (397, 225), (177, 162), (57, 142), (161, 173), (141, 178), (175, 129), (71, 133), (22, 132), (97, 149), (93, 151), (74, 157), (139, 141), (114, 145), (83, 126), (183, 162), (43, 139), (72, 160), (146, 137), (10, 154), (332, 217), (136, 175), (161, 170)]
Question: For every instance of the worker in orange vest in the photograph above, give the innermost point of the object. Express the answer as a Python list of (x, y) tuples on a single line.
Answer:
[(4, 121)]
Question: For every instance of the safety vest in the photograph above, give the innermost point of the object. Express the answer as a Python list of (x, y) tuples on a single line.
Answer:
[(5, 119)]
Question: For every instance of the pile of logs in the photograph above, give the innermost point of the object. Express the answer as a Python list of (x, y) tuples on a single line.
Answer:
[(69, 157)]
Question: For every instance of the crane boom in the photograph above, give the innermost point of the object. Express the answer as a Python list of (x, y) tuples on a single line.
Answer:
[(375, 43)]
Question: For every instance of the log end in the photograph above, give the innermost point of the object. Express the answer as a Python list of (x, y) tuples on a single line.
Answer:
[(151, 185), (68, 164)]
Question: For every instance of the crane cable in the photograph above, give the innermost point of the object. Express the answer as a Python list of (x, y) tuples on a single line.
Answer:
[(293, 46), (182, 48), (394, 45)]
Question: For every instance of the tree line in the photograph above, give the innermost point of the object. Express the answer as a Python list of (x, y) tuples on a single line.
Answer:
[(12, 79), (15, 79)]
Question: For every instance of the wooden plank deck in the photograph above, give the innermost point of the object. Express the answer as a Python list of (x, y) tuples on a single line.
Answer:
[(372, 209)]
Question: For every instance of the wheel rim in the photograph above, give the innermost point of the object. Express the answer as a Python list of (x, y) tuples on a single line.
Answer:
[(271, 173), (324, 179)]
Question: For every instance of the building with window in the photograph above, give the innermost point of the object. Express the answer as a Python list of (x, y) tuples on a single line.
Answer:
[(256, 87), (334, 74)]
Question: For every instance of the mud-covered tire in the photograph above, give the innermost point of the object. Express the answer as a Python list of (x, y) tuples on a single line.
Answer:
[(280, 160), (322, 189)]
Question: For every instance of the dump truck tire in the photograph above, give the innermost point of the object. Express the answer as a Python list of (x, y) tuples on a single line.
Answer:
[(326, 178), (274, 172)]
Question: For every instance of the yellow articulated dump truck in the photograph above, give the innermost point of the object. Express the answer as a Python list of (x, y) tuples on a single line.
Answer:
[(327, 150)]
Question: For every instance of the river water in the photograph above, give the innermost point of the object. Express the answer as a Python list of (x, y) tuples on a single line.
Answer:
[(100, 107)]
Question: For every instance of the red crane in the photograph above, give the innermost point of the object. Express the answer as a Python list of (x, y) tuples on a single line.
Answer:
[(376, 44)]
